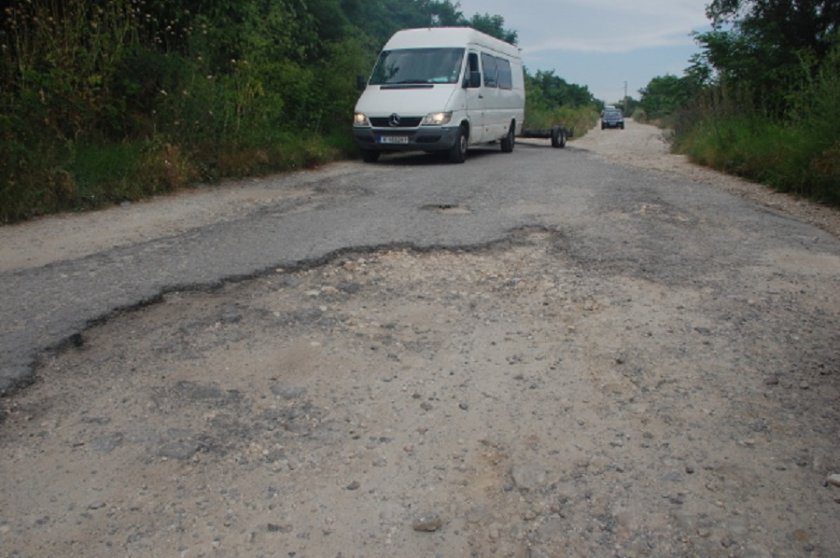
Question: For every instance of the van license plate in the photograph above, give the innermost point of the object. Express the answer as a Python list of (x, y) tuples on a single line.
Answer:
[(402, 140)]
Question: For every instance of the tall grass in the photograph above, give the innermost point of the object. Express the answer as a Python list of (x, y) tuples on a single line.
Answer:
[(798, 152), (111, 101)]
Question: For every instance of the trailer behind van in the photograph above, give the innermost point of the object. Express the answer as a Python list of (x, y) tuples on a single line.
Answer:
[(441, 89)]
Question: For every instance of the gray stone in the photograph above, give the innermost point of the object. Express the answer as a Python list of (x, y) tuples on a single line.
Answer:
[(529, 477), (349, 287), (107, 442), (308, 315), (552, 529), (287, 392), (427, 522), (479, 515), (197, 392), (230, 315), (756, 551), (179, 449)]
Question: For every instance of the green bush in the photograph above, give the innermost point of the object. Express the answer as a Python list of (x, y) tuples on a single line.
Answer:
[(578, 119), (111, 101), (551, 101), (769, 98)]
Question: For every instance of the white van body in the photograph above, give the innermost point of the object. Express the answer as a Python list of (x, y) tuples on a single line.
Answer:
[(441, 89)]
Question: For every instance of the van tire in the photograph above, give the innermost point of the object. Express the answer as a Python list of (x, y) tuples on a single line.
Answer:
[(458, 151), (510, 139), (370, 156)]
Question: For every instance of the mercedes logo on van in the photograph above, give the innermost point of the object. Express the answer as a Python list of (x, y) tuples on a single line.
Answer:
[(394, 120)]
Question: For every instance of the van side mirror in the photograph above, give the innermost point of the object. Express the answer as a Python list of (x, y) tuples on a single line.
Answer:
[(361, 82)]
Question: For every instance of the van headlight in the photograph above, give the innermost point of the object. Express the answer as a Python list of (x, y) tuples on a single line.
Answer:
[(436, 119), (360, 119)]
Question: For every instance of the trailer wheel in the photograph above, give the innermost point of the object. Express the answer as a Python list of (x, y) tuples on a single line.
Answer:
[(558, 137), (510, 139)]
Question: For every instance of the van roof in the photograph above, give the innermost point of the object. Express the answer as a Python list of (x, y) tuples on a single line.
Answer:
[(448, 37)]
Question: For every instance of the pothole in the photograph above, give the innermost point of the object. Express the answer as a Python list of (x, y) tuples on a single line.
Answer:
[(447, 209)]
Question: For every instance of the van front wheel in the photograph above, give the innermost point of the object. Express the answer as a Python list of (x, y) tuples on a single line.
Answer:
[(458, 151), (370, 156)]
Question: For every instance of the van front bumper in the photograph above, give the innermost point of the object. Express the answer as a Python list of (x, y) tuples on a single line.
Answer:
[(425, 138)]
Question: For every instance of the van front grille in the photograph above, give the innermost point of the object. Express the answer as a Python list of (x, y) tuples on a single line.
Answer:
[(405, 122)]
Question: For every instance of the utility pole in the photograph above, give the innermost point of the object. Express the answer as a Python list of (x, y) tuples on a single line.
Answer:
[(625, 98)]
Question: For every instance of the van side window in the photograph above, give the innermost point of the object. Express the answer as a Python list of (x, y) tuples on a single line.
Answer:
[(488, 62), (472, 75), (505, 76), (473, 62)]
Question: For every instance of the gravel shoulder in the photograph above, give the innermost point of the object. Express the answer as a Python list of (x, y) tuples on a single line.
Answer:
[(646, 147), (536, 397)]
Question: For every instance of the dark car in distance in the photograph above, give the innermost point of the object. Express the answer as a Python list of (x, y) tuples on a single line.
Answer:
[(612, 118)]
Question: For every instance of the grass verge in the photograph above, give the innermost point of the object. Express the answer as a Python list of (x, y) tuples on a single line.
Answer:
[(790, 157), (87, 176)]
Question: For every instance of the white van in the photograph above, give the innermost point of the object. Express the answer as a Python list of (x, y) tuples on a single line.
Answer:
[(441, 89)]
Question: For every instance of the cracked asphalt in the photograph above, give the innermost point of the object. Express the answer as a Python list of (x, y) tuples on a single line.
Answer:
[(366, 207)]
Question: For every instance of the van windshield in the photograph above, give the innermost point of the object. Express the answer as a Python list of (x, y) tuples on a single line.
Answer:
[(418, 66)]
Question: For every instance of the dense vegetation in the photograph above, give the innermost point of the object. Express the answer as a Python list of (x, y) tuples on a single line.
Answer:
[(112, 100), (761, 100), (551, 100)]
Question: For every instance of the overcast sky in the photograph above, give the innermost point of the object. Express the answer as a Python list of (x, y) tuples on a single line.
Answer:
[(602, 43)]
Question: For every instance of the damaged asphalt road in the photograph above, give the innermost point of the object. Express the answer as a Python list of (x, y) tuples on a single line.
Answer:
[(368, 207), (413, 201), (529, 355)]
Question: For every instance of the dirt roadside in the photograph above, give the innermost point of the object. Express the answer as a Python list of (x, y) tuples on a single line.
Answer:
[(509, 401)]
